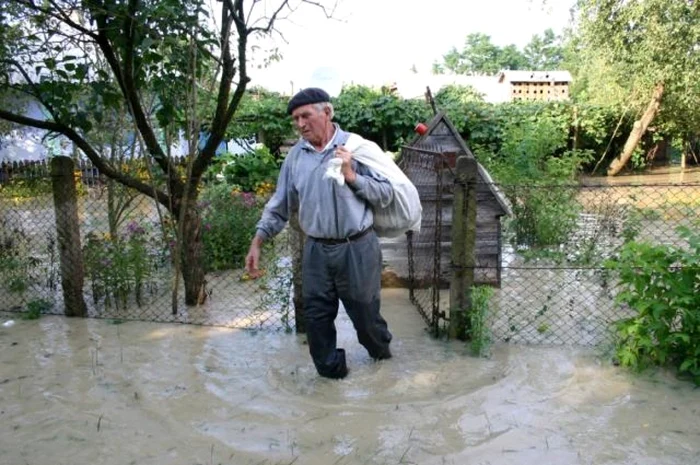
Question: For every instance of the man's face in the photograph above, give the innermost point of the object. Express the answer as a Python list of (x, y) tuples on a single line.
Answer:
[(311, 122)]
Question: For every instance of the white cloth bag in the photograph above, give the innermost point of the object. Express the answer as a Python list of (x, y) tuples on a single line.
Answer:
[(404, 212)]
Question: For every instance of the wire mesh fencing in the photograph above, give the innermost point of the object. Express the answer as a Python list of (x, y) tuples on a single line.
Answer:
[(541, 248), (556, 287), (544, 250), (426, 249), (125, 259)]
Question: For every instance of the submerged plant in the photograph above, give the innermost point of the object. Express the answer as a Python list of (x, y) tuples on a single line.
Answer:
[(479, 333)]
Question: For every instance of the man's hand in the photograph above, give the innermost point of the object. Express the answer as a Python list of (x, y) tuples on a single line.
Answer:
[(346, 168), (252, 260)]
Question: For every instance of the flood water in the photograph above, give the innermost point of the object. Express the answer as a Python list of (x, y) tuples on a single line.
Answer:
[(76, 391)]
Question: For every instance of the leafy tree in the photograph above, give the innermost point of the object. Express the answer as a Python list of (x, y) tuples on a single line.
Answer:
[(544, 52), (380, 116), (165, 62), (263, 114), (480, 55), (648, 50), (437, 68)]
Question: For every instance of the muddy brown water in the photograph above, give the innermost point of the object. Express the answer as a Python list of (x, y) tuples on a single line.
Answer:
[(85, 391)]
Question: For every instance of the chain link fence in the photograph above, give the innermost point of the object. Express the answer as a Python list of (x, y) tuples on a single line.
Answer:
[(555, 287), (124, 255), (549, 281)]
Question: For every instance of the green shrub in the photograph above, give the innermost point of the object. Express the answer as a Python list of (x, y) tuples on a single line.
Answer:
[(123, 265), (249, 171), (533, 168), (35, 308), (479, 334), (228, 218), (661, 284)]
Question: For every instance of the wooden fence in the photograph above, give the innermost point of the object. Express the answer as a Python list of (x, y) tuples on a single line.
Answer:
[(41, 169)]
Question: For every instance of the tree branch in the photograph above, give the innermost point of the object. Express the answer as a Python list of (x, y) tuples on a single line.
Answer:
[(57, 13), (128, 88), (271, 22), (100, 163), (227, 67), (36, 94), (218, 128)]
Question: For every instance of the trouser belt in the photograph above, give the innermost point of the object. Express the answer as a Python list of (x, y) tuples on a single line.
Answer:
[(331, 241)]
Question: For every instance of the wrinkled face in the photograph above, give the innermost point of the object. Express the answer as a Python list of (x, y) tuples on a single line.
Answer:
[(312, 123)]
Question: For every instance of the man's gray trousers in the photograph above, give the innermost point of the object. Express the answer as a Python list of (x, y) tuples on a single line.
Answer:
[(349, 271)]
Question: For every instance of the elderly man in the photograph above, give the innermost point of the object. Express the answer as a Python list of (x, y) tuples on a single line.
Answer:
[(342, 259)]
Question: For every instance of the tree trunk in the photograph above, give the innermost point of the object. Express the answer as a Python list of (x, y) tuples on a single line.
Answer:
[(68, 236), (192, 253), (638, 130)]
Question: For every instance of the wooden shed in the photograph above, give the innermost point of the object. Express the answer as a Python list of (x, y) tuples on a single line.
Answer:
[(429, 162)]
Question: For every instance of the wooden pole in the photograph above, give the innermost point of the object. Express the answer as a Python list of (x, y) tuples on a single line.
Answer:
[(65, 201), (463, 246)]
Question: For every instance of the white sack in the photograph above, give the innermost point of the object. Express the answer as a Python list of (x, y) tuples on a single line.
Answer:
[(404, 212)]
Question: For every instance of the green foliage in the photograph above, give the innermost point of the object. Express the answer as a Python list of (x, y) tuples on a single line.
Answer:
[(480, 55), (249, 171), (35, 308), (661, 284), (630, 46), (25, 188), (544, 52), (534, 151), (479, 334), (262, 114), (17, 262), (124, 265), (383, 118), (228, 219), (453, 96)]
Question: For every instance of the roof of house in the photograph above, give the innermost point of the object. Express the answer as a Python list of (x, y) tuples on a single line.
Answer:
[(534, 76)]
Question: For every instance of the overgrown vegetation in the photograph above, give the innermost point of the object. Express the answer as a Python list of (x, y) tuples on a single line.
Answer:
[(533, 167), (248, 172), (124, 266), (661, 286), (479, 332), (229, 217)]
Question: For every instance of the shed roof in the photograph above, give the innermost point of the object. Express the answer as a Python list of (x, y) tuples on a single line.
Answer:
[(441, 117)]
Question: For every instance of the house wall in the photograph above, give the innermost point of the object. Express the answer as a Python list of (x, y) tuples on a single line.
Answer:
[(540, 90)]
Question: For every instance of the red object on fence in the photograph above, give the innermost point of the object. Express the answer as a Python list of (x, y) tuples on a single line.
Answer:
[(421, 128)]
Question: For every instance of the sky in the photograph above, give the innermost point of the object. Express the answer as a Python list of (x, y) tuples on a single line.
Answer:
[(373, 42)]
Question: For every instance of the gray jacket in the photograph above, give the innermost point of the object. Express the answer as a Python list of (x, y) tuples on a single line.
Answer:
[(326, 210)]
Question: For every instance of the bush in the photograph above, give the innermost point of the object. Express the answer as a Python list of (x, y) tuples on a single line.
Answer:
[(247, 172), (119, 266), (479, 333), (661, 283), (229, 217), (532, 160)]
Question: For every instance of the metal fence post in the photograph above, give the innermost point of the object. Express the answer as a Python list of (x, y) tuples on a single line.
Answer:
[(463, 245), (68, 234)]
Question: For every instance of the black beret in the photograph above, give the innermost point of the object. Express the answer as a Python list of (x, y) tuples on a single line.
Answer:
[(306, 97)]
